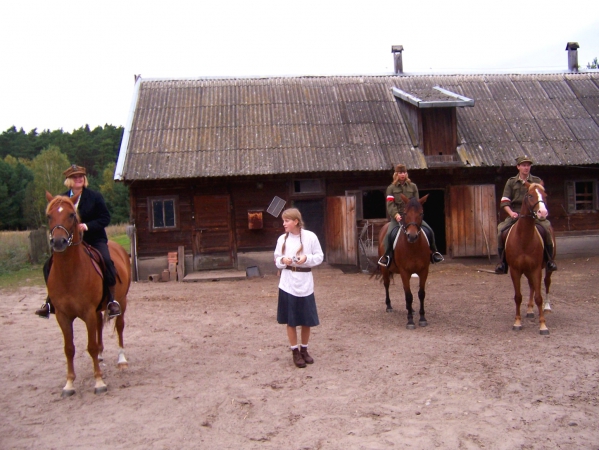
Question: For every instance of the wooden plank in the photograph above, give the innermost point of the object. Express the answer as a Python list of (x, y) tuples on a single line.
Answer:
[(181, 263)]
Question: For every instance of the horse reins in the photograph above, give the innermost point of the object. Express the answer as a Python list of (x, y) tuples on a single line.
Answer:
[(531, 209), (68, 233)]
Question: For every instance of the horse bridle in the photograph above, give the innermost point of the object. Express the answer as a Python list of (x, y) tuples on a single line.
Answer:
[(404, 226), (68, 233), (531, 208)]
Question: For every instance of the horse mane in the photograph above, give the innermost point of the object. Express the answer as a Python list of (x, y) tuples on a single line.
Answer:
[(414, 203), (57, 201), (536, 186)]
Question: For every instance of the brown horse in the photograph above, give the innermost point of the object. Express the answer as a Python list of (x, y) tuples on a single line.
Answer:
[(411, 255), (524, 249), (75, 287)]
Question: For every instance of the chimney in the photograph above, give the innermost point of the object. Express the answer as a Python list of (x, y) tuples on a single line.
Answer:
[(396, 50), (572, 48)]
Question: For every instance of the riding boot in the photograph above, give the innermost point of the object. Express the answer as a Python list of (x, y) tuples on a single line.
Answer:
[(113, 307), (551, 266), (501, 268), (436, 257), (45, 309)]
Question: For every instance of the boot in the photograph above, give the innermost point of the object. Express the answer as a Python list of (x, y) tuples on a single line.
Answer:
[(551, 266), (44, 311), (307, 358), (436, 257), (297, 359), (113, 308), (501, 268)]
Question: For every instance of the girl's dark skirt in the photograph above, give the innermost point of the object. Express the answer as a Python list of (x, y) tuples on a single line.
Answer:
[(297, 311)]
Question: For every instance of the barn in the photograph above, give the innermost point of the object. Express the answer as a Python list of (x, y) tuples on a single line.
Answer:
[(208, 160)]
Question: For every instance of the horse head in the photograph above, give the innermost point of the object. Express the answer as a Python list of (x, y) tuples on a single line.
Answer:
[(63, 222), (412, 218), (535, 201)]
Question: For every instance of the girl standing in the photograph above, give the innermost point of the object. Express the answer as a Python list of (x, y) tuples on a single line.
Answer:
[(297, 251)]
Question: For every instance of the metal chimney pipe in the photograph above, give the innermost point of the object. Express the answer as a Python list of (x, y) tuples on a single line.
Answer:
[(572, 48), (398, 63)]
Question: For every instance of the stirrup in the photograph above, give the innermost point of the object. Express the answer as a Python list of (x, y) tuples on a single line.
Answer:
[(44, 311), (110, 313), (384, 261), (551, 266)]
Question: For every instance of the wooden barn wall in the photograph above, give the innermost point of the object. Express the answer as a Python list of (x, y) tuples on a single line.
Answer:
[(439, 131), (252, 194)]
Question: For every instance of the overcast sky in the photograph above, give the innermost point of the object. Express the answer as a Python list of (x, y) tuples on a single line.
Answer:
[(68, 63)]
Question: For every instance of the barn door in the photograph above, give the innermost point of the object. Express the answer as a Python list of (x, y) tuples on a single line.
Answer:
[(212, 234), (472, 221), (341, 231)]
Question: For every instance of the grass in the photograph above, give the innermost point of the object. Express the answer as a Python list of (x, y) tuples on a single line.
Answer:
[(15, 265)]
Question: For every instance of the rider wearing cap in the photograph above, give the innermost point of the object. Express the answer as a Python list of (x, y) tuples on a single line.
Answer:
[(396, 208), (94, 218), (511, 202)]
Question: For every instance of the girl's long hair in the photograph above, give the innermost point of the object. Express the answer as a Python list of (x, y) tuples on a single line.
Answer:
[(293, 214)]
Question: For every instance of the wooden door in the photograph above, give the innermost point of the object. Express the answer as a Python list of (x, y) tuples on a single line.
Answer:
[(341, 231), (213, 246), (472, 221)]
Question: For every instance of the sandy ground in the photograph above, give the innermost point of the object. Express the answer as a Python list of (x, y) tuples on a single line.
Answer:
[(210, 368)]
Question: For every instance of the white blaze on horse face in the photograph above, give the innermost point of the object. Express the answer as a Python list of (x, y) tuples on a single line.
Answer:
[(60, 209), (542, 212)]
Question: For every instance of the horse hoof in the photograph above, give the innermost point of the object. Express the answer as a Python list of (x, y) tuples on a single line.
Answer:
[(544, 332), (515, 328), (423, 323), (411, 326), (67, 393), (530, 315), (123, 366), (389, 309), (100, 390)]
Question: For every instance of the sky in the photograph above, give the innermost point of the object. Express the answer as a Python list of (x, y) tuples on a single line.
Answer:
[(71, 63)]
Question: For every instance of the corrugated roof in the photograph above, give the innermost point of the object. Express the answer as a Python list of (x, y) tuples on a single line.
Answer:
[(261, 126)]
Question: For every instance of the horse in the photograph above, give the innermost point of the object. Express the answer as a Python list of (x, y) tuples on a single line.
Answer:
[(75, 287), (524, 250), (410, 255)]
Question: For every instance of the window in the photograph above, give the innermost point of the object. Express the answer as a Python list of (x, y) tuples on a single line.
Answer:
[(308, 186), (582, 196), (163, 213)]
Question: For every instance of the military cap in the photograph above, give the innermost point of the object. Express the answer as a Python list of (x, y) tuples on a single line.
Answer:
[(521, 159)]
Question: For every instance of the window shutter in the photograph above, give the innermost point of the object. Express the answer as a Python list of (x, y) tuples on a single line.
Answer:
[(595, 195), (571, 196)]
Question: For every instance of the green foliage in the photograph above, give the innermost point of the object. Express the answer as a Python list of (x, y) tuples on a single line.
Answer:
[(47, 170), (593, 64), (116, 196), (14, 178), (23, 183)]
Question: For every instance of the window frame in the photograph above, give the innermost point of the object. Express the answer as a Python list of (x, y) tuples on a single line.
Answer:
[(570, 187), (163, 198), (319, 191)]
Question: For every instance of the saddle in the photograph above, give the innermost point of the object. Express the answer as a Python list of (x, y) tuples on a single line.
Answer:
[(100, 266), (506, 231)]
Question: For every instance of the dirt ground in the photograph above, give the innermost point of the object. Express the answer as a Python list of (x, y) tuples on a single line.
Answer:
[(209, 367)]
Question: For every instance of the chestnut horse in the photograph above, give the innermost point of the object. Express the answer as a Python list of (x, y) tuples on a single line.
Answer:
[(524, 250), (411, 255), (75, 288)]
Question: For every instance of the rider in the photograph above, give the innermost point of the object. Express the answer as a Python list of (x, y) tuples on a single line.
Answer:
[(511, 202), (395, 208), (94, 218)]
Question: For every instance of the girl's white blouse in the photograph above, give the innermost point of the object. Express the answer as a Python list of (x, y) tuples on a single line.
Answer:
[(300, 284)]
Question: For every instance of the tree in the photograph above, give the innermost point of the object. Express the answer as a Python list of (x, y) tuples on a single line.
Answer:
[(593, 64), (14, 178), (116, 196), (47, 170)]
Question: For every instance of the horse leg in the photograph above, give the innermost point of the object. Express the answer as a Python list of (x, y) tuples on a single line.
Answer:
[(546, 305), (530, 312), (405, 280), (543, 330), (66, 325), (93, 350), (120, 326), (100, 328), (421, 295), (517, 298), (386, 282)]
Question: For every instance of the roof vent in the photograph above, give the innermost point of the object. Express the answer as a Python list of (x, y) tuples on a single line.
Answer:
[(572, 48), (398, 63)]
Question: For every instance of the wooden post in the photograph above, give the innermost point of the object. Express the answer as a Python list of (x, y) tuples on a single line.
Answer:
[(181, 263)]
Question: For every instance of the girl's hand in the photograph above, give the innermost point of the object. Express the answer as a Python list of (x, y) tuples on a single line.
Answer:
[(302, 259)]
